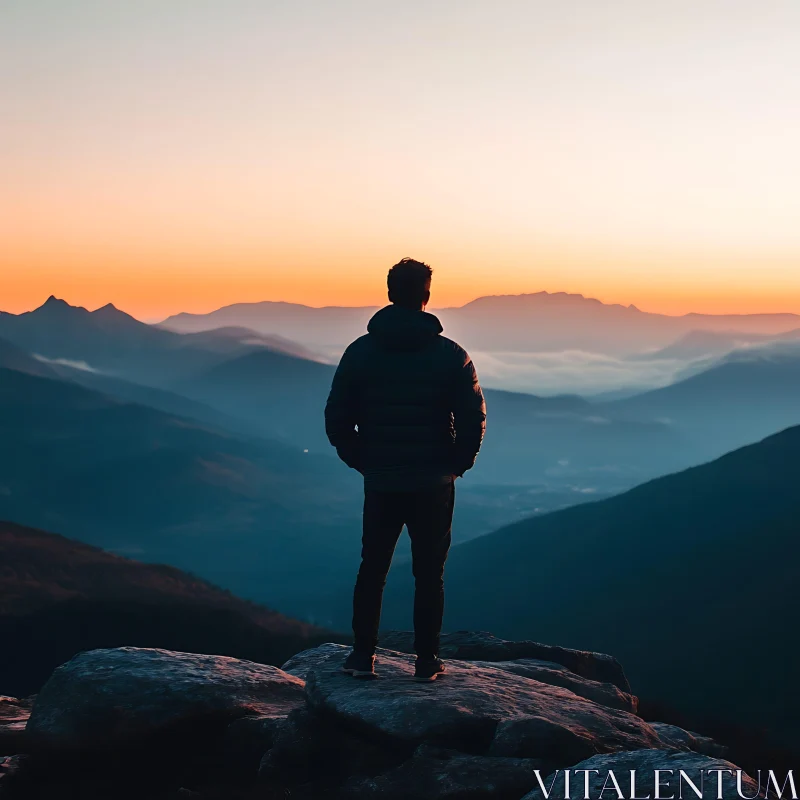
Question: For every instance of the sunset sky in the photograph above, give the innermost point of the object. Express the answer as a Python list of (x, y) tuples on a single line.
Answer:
[(179, 155)]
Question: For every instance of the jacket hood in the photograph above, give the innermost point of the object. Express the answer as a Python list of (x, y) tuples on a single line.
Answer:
[(398, 328)]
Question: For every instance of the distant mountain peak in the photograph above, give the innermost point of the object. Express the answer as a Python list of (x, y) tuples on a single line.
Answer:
[(57, 309), (543, 299), (54, 302), (110, 311)]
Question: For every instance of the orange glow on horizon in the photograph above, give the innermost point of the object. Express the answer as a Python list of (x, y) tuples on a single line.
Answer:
[(191, 156), (153, 293)]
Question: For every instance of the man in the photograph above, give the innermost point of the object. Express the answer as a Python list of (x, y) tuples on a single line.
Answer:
[(405, 410)]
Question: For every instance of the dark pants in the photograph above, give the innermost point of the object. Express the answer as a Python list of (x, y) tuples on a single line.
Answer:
[(428, 514)]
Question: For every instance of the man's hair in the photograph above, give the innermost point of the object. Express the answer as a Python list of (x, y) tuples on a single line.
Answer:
[(409, 283)]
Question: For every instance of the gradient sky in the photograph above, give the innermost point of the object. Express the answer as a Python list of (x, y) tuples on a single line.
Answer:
[(172, 155)]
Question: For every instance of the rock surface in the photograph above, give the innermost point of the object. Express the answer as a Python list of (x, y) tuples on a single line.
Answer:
[(474, 708), (437, 774), (106, 698), (14, 714), (481, 646), (607, 694), (646, 762), (156, 722), (678, 737)]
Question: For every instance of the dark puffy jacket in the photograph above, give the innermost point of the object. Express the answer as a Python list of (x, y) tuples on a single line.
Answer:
[(405, 408)]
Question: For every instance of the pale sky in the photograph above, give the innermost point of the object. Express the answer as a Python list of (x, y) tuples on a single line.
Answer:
[(170, 155)]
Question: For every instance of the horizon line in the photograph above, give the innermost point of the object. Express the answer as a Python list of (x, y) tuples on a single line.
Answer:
[(630, 306)]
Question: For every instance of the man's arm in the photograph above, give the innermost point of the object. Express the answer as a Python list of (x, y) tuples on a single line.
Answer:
[(341, 411), (469, 416)]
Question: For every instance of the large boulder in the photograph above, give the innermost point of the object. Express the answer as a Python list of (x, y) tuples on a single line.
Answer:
[(481, 646), (438, 774), (105, 699), (607, 694), (603, 770), (488, 728), (14, 714), (475, 708)]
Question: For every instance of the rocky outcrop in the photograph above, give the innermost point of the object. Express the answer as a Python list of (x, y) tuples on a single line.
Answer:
[(703, 771), (482, 646), (489, 728), (106, 699), (476, 707)]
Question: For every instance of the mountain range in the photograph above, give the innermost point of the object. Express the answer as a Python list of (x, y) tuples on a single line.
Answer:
[(275, 392), (248, 383), (110, 341), (206, 451), (524, 323)]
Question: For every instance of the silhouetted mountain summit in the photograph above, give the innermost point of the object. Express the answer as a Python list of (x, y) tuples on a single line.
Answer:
[(52, 304), (57, 310), (111, 341), (542, 299)]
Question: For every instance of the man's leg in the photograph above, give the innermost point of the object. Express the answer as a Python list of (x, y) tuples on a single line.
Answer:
[(430, 520), (383, 524)]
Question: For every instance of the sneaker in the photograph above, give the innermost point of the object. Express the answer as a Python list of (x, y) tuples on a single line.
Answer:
[(428, 669), (360, 665)]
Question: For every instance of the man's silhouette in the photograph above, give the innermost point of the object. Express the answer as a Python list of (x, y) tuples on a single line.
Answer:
[(406, 411)]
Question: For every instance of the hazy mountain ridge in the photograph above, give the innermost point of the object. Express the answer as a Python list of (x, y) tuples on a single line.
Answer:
[(742, 397), (527, 322), (599, 447), (281, 395), (112, 341), (130, 478), (253, 511), (212, 470)]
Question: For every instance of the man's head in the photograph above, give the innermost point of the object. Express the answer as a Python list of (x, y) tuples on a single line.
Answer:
[(409, 284)]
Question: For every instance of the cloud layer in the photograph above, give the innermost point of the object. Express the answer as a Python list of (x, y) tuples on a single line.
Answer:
[(577, 372)]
